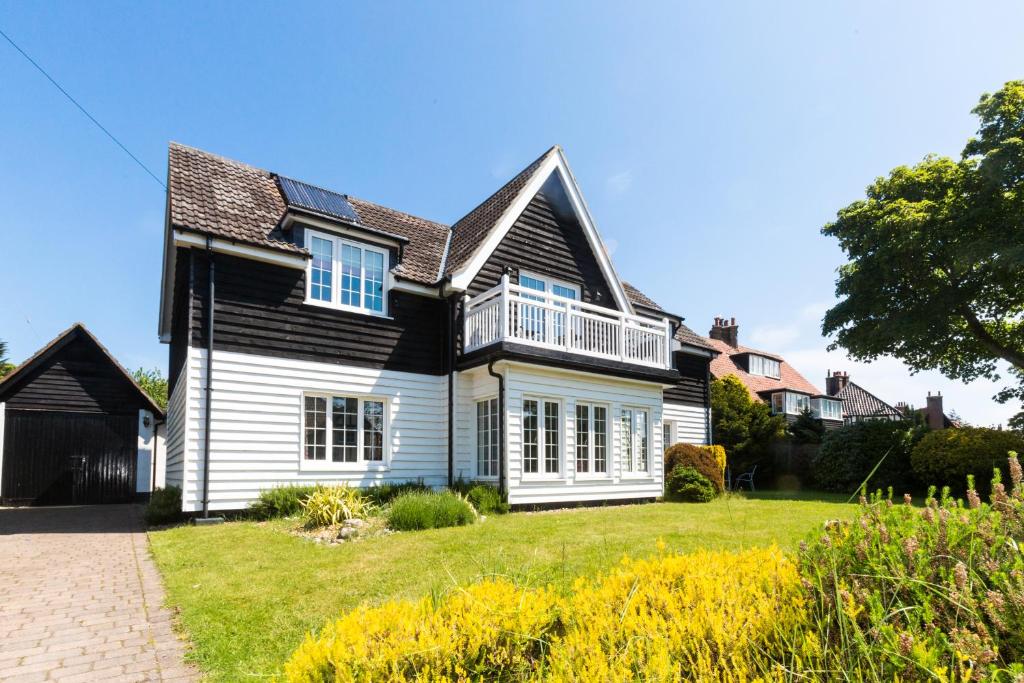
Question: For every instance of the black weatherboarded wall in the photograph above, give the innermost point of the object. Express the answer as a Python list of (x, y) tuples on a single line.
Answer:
[(261, 309), (692, 388)]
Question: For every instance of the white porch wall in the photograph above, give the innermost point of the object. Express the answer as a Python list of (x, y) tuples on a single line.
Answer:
[(471, 386), (569, 387), (691, 422), (256, 427)]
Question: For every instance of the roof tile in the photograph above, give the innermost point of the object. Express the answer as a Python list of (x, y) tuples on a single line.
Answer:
[(727, 363)]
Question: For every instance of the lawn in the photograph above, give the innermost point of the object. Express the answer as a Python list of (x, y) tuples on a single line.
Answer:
[(248, 592)]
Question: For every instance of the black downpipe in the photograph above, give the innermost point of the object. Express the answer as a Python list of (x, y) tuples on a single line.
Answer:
[(707, 397), (209, 382), (451, 389), (501, 426)]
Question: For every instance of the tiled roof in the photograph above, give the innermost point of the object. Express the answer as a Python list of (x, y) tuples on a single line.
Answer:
[(725, 364), (859, 402), (684, 335), (421, 259), (470, 231), (638, 298), (215, 196)]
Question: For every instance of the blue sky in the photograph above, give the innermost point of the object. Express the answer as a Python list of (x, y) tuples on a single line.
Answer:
[(712, 140)]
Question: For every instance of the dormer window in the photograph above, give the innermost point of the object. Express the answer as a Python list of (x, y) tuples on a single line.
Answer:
[(348, 275), (763, 366)]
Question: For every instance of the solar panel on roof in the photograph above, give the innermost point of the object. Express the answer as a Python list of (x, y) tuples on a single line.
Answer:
[(314, 198)]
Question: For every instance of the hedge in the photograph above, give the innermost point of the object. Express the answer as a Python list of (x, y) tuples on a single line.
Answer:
[(848, 455), (948, 456)]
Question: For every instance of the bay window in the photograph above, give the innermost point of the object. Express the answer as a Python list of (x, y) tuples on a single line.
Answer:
[(827, 408), (340, 431), (790, 402), (591, 439), (345, 274)]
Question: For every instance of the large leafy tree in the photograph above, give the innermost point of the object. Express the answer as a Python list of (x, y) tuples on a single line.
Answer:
[(744, 426), (936, 257)]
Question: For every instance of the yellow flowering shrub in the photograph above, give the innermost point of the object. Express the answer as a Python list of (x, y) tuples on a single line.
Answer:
[(710, 615)]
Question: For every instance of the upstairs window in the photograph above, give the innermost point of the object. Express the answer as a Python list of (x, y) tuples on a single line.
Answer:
[(346, 275), (789, 402), (827, 409), (763, 366)]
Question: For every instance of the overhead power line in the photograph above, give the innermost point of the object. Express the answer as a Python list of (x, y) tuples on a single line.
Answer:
[(82, 109)]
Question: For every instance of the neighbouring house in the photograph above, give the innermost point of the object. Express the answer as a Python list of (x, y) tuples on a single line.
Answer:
[(318, 337), (75, 428), (933, 413), (859, 404), (769, 378)]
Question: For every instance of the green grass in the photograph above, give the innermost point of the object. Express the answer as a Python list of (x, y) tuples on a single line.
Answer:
[(248, 592)]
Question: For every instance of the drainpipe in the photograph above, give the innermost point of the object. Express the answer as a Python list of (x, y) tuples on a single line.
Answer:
[(501, 426), (707, 397), (209, 381), (451, 383)]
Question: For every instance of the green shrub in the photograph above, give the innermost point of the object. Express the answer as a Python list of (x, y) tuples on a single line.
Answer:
[(164, 506), (947, 456), (280, 501), (331, 505), (382, 494), (903, 592), (688, 485), (708, 460), (429, 510), (485, 498), (848, 454)]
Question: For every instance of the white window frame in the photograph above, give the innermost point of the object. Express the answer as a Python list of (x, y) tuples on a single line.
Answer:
[(360, 465), (542, 472), (476, 439), (631, 458), (668, 428), (336, 266), (763, 364), (609, 447), (818, 403), (550, 282)]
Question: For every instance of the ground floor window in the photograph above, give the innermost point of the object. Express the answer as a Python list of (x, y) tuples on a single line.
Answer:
[(666, 435), (635, 440), (591, 438), (487, 438), (542, 436), (343, 429)]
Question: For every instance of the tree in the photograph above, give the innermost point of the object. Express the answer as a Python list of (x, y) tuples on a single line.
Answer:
[(745, 427), (806, 428), (154, 384), (936, 255), (5, 365)]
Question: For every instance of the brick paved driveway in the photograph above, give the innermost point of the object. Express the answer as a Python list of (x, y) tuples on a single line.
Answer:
[(80, 599)]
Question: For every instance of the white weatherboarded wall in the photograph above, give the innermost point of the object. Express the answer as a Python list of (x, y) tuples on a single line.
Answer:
[(470, 386), (691, 423), (256, 429), (569, 387)]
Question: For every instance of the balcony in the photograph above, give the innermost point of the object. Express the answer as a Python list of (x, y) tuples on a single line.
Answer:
[(511, 313)]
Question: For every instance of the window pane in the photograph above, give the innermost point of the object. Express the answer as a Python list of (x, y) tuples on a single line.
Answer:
[(551, 441), (373, 285), (582, 438), (600, 439), (487, 438), (532, 283), (641, 440), (315, 419), (530, 436), (626, 428), (567, 292), (322, 269), (666, 435), (351, 269), (343, 428), (373, 431)]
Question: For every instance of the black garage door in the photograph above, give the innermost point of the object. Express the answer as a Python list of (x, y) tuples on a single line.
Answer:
[(59, 458)]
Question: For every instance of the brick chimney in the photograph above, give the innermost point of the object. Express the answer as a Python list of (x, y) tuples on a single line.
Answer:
[(835, 381), (933, 413), (726, 330)]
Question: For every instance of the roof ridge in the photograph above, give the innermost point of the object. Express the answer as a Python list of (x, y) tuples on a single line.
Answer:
[(220, 157)]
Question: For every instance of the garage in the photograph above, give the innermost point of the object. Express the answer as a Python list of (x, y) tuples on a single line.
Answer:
[(75, 428)]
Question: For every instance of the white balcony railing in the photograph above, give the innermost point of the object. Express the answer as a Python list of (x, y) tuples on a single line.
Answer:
[(517, 314)]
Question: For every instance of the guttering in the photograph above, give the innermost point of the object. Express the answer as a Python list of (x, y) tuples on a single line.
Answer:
[(501, 426), (209, 380)]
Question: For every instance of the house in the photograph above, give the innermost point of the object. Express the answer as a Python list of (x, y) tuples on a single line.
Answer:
[(75, 428), (933, 414), (345, 341), (769, 378), (859, 404)]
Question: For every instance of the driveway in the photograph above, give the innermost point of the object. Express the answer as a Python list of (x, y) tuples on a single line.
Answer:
[(81, 600)]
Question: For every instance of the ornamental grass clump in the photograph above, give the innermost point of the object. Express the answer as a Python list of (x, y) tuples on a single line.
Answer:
[(914, 593), (280, 501), (331, 505), (429, 510), (706, 616)]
